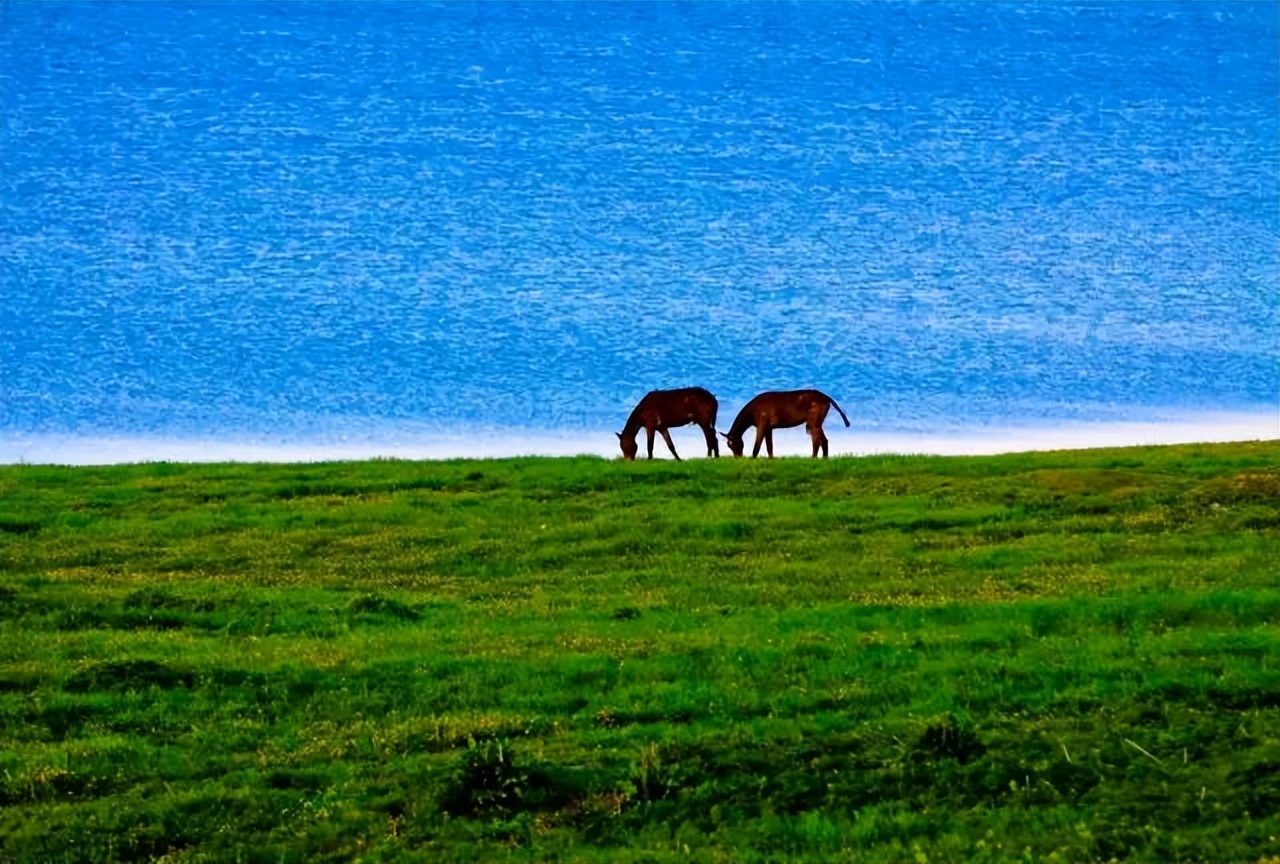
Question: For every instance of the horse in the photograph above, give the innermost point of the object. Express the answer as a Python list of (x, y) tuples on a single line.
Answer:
[(663, 409), (783, 410)]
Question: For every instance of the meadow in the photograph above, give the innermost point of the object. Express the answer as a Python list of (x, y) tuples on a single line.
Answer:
[(1063, 656)]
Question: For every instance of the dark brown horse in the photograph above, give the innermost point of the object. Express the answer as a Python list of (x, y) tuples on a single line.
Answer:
[(775, 410), (663, 409)]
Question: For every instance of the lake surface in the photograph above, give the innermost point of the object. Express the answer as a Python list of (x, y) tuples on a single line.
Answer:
[(306, 223)]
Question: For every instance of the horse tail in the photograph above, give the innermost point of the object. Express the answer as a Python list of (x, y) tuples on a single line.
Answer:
[(836, 405)]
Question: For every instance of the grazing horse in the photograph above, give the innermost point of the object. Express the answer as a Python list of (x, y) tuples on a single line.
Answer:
[(774, 410), (662, 409)]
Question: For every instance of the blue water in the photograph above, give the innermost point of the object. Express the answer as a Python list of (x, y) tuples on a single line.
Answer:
[(239, 218)]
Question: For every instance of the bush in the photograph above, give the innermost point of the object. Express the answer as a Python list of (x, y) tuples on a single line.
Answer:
[(486, 781)]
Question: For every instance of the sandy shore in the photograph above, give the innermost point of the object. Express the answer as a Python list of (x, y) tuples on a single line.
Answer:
[(104, 450)]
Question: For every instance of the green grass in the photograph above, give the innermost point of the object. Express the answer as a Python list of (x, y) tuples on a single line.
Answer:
[(1041, 657)]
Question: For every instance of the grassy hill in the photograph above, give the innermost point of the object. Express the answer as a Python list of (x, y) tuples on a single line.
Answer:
[(1067, 656)]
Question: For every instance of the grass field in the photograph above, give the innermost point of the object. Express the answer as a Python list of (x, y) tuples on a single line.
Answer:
[(1067, 656)]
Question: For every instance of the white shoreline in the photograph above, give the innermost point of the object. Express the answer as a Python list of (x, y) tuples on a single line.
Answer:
[(73, 449)]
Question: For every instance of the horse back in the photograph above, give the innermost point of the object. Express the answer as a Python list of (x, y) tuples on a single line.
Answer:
[(678, 407), (789, 407)]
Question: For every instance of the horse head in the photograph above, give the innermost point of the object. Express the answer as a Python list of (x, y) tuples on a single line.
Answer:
[(734, 441), (629, 446)]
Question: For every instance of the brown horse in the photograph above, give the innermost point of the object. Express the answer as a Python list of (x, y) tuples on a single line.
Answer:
[(774, 410), (663, 409)]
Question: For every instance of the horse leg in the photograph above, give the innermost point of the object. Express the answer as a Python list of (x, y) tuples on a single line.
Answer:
[(815, 430), (768, 440), (648, 431), (755, 451), (713, 446), (666, 436)]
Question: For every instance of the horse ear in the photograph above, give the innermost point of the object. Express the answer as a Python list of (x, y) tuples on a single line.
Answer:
[(619, 434), (723, 435)]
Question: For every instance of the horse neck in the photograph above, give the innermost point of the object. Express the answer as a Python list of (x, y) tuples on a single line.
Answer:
[(744, 421), (633, 424)]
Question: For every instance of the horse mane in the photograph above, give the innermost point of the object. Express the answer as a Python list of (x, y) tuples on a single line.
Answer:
[(633, 421), (742, 422)]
